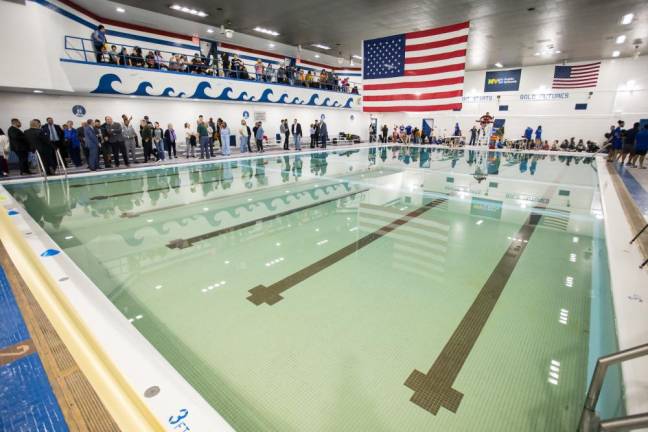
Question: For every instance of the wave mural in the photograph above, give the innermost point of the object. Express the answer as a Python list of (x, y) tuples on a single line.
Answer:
[(112, 84)]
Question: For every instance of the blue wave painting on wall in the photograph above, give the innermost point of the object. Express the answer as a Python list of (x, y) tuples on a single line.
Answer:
[(145, 88)]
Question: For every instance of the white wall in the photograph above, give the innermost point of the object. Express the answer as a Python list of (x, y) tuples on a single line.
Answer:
[(26, 106), (622, 93)]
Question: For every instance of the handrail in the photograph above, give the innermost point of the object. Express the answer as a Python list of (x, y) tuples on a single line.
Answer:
[(589, 421), (41, 166), (61, 163), (214, 68)]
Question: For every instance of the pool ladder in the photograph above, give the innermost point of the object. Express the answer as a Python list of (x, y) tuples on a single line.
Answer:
[(589, 421)]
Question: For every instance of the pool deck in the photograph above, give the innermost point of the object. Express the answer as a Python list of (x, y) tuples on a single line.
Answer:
[(41, 385)]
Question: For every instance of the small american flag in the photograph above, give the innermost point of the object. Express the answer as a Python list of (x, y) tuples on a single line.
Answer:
[(418, 71), (576, 76)]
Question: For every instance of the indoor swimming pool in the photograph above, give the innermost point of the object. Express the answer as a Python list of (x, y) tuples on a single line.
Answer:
[(374, 289)]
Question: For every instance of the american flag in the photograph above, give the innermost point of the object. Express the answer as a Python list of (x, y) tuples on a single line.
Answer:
[(418, 71), (576, 76)]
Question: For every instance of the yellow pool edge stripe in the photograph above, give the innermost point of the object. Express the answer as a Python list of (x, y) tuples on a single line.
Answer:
[(120, 399)]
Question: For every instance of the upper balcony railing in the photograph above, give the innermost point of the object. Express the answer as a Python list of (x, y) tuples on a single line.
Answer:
[(129, 56)]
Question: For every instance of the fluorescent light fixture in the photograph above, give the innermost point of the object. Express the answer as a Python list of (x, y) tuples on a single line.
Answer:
[(209, 30), (357, 57), (321, 46), (499, 65), (536, 54), (627, 19), (620, 39), (266, 31), (121, 10), (616, 53), (271, 45), (38, 91), (557, 51), (185, 9), (317, 56)]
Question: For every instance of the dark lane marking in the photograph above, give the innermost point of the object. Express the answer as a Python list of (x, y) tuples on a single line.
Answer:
[(272, 294), (173, 174), (185, 243), (434, 389), (16, 351)]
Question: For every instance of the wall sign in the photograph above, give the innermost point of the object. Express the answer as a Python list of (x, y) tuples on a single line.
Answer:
[(543, 96), (505, 80), (322, 117), (477, 99), (78, 110), (246, 115), (259, 116)]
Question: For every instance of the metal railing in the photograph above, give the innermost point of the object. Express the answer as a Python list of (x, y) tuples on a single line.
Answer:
[(82, 49), (41, 166), (589, 421), (61, 163)]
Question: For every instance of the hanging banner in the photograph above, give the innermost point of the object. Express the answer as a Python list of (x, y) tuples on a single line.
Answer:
[(504, 80)]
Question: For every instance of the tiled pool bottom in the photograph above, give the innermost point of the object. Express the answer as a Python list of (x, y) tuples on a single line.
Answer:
[(381, 289)]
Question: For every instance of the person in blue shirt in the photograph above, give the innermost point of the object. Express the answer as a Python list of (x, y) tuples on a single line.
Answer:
[(538, 136), (527, 135), (98, 40), (258, 136), (641, 147), (616, 140), (92, 143)]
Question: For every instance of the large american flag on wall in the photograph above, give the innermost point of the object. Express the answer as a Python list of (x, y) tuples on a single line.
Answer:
[(418, 71), (576, 76)]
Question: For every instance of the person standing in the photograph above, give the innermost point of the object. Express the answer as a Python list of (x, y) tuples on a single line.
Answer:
[(617, 141), (130, 139), (99, 41), (244, 136), (312, 135), (296, 130), (473, 136), (203, 137), (484, 123), (170, 141), (55, 136), (190, 141), (116, 140), (641, 146), (4, 154), (283, 131), (538, 136), (385, 132), (92, 144), (40, 142), (19, 145), (323, 133), (158, 135), (225, 139), (317, 133), (147, 140), (73, 143), (258, 135), (629, 144)]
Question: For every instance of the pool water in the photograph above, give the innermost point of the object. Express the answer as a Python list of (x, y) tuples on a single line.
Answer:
[(379, 289)]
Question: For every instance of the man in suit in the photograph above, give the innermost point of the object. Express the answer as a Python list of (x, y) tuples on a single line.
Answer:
[(296, 130), (116, 140), (323, 133), (19, 145), (92, 144), (40, 142), (317, 131), (55, 136)]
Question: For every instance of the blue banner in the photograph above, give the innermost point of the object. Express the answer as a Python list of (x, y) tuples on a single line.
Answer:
[(505, 80)]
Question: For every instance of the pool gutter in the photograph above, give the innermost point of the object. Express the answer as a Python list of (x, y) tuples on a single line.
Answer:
[(121, 365), (629, 285)]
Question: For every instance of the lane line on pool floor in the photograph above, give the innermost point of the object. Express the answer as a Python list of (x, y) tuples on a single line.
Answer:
[(433, 390), (185, 243), (271, 294)]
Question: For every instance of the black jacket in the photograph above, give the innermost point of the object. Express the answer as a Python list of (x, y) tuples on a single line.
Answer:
[(17, 140), (38, 141), (296, 129), (46, 131)]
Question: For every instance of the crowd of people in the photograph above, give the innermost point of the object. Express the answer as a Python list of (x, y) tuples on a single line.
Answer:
[(628, 146), (217, 65), (103, 144)]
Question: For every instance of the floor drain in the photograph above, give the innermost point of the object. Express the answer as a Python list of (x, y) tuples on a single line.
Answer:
[(152, 392)]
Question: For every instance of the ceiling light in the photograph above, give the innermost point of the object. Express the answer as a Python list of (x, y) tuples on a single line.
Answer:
[(557, 51), (357, 57), (229, 34), (38, 91), (320, 46), (499, 65), (266, 31), (271, 45), (317, 56), (210, 30), (121, 10), (185, 9), (616, 53), (536, 54), (627, 19), (620, 39)]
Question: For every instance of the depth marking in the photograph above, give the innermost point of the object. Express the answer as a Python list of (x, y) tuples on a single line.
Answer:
[(272, 294), (434, 389)]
